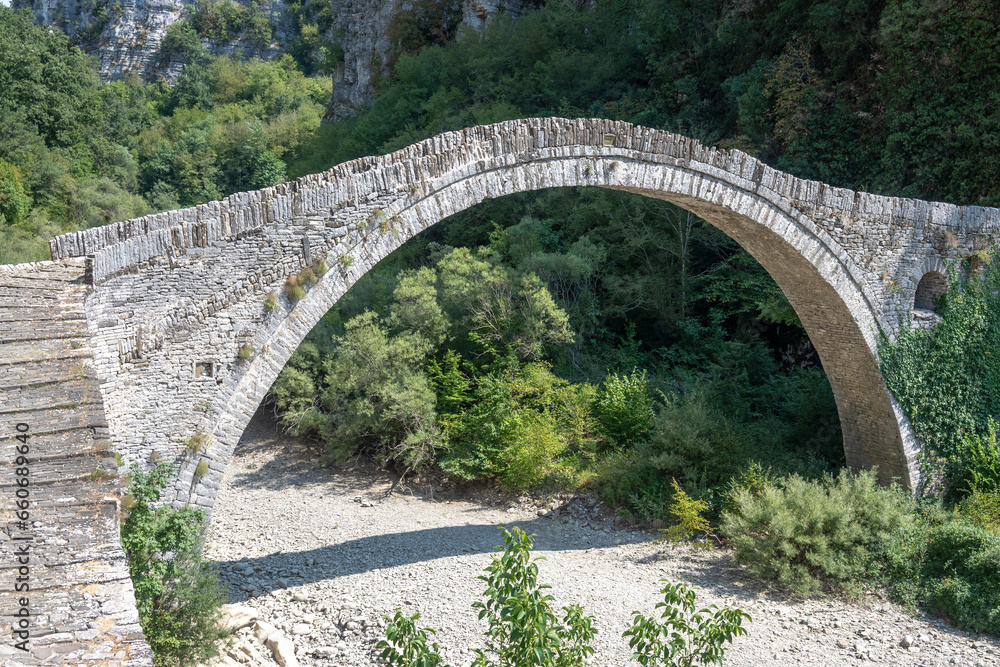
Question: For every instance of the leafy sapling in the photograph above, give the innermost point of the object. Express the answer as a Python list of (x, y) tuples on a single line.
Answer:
[(685, 635)]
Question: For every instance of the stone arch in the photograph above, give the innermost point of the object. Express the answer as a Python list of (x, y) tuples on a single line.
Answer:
[(192, 283), (827, 289)]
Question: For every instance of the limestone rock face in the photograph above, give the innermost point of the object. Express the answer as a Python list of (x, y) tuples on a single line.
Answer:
[(364, 26), (126, 35)]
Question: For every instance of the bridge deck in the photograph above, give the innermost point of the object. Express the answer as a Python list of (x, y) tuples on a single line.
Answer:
[(80, 598)]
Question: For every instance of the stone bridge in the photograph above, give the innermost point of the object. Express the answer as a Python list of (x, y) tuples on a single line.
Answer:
[(187, 325)]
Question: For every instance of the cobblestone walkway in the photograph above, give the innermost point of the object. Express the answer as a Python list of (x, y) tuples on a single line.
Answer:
[(62, 567)]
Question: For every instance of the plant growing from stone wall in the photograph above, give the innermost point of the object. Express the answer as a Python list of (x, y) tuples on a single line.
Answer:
[(271, 302), (245, 352), (295, 286), (293, 290), (197, 443)]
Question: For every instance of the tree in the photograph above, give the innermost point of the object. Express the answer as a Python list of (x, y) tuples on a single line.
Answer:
[(378, 395), (14, 200)]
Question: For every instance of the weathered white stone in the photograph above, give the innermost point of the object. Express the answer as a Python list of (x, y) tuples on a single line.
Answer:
[(236, 616), (262, 630), (283, 650)]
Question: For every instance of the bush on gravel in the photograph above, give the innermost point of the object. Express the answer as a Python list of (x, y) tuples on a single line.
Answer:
[(809, 535), (687, 635), (524, 630), (947, 565)]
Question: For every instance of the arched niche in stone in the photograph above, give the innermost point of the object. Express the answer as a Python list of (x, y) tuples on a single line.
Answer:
[(930, 288)]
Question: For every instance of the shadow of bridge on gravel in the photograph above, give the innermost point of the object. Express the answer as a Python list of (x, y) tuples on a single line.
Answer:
[(392, 550)]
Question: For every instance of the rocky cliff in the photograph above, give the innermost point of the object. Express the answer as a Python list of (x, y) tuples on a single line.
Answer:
[(363, 30), (128, 35)]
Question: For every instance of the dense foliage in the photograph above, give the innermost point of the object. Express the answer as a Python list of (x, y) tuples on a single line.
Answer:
[(178, 595), (805, 533), (76, 153), (948, 378), (515, 361), (849, 534), (895, 97)]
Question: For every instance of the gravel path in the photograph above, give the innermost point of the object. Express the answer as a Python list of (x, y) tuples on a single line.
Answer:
[(322, 554)]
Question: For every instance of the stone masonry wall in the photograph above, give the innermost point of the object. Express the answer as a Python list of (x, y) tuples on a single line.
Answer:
[(176, 295)]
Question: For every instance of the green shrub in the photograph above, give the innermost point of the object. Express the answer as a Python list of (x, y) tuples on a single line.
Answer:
[(975, 463), (14, 201), (981, 508), (959, 576), (201, 469), (692, 442), (523, 419), (807, 535), (687, 635), (377, 397), (523, 629), (319, 267), (405, 644), (623, 409), (753, 478), (688, 516), (245, 352), (271, 302), (178, 598)]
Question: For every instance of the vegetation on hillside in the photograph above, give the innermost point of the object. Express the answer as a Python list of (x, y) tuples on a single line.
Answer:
[(75, 153)]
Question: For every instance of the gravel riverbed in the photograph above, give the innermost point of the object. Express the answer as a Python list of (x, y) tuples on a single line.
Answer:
[(322, 553)]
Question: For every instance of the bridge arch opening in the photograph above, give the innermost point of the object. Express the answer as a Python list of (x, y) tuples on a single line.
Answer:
[(652, 308), (832, 303)]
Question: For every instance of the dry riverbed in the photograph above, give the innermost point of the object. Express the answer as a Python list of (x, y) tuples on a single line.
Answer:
[(321, 554)]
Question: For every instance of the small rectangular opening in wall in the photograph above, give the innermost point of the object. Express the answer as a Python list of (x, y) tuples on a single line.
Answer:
[(609, 140), (204, 369)]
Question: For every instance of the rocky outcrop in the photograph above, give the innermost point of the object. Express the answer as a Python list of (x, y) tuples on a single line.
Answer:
[(362, 27), (126, 35)]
